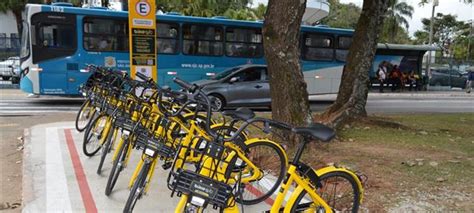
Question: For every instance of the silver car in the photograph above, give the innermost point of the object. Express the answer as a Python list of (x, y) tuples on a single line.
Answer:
[(9, 67), (245, 85)]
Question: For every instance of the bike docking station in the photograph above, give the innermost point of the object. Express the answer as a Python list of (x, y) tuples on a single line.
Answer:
[(58, 177)]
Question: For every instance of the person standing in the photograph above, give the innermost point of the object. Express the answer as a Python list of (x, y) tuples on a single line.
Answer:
[(470, 79), (382, 76)]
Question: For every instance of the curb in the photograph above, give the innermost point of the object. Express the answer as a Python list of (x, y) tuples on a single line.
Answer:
[(9, 86)]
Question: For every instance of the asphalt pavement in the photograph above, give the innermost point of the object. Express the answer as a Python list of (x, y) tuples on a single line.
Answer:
[(14, 102)]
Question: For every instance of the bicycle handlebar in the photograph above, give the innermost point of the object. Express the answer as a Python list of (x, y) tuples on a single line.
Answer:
[(185, 85)]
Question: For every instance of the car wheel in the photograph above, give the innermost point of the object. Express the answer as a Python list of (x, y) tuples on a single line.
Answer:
[(15, 80), (5, 78), (218, 102)]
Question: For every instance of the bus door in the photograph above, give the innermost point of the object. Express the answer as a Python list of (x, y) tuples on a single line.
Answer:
[(53, 42)]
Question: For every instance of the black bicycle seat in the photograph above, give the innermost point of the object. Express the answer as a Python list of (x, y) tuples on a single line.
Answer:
[(318, 131), (241, 113)]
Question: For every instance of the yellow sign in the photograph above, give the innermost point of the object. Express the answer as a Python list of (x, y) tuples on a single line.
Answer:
[(142, 38)]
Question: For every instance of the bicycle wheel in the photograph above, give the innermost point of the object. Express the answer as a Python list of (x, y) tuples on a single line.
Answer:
[(84, 116), (118, 165), (340, 191), (106, 147), (271, 161), (93, 135), (138, 188)]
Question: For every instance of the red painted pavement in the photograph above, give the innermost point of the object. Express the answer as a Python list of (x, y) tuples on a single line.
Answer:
[(86, 194)]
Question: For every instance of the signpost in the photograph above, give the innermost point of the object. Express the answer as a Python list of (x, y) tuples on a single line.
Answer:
[(142, 38)]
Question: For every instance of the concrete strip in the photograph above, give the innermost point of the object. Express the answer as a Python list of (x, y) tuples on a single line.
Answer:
[(57, 197)]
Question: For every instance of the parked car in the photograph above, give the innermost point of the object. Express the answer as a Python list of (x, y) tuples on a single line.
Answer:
[(9, 67), (446, 76), (245, 85)]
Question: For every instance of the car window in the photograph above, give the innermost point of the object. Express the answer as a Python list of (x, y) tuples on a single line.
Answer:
[(250, 74), (265, 74)]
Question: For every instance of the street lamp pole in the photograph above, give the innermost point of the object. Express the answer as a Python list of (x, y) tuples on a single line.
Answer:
[(471, 25), (430, 40)]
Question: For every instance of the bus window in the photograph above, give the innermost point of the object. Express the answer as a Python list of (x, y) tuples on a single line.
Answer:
[(243, 42), (343, 44), (318, 47), (102, 35), (53, 36), (167, 38), (202, 40)]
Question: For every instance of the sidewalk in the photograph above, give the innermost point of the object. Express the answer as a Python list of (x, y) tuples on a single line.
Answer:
[(403, 95), (58, 177)]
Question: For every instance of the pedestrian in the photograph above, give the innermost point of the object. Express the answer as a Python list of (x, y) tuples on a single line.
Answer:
[(395, 77), (413, 80), (470, 79), (382, 76)]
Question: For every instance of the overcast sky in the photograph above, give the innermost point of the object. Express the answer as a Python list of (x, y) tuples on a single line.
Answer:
[(463, 11)]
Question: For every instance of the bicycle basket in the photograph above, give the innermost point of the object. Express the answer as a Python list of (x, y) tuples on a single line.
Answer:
[(125, 122), (153, 145), (212, 191), (209, 180)]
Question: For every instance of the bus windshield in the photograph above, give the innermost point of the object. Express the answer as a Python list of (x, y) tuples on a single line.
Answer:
[(25, 44), (225, 73)]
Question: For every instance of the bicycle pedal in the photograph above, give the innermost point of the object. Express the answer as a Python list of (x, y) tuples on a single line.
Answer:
[(167, 165)]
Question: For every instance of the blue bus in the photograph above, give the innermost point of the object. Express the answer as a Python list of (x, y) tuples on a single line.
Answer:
[(59, 41)]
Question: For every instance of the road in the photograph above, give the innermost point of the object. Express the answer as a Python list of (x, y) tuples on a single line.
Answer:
[(393, 106), (14, 102)]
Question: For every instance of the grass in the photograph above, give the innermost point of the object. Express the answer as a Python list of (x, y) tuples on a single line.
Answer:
[(382, 147)]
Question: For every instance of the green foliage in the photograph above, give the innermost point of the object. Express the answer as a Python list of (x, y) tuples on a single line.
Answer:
[(342, 15), (401, 37), (421, 37), (449, 33), (445, 28), (259, 11), (396, 16), (424, 2), (203, 8)]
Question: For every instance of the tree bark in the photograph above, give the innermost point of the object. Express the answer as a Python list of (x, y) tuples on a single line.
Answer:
[(281, 32), (353, 90)]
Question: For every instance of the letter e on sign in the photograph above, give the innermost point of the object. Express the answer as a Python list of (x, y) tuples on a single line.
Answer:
[(142, 8)]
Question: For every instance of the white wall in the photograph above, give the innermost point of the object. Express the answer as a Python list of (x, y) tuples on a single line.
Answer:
[(8, 23)]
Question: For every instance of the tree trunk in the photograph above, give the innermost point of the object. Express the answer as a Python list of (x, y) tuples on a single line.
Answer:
[(19, 23), (281, 32), (353, 90)]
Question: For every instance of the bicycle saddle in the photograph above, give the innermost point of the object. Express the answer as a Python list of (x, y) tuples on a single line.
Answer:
[(241, 113), (318, 131)]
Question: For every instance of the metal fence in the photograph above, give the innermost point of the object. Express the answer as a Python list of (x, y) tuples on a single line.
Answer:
[(9, 46), (447, 73)]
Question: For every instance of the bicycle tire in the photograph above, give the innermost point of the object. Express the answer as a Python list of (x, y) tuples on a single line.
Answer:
[(86, 105), (138, 188), (89, 137), (106, 147), (324, 180), (256, 191), (116, 168)]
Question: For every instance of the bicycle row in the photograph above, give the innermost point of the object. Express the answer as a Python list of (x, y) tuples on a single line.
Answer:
[(212, 159)]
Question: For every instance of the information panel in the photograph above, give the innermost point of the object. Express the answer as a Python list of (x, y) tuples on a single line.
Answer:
[(142, 38)]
